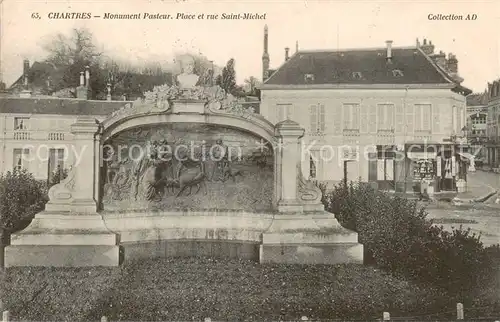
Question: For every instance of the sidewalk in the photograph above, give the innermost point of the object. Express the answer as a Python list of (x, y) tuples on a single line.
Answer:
[(481, 185)]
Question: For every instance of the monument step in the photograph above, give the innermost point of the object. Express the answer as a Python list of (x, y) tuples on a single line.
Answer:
[(61, 256), (329, 254), (319, 237), (191, 248), (64, 238)]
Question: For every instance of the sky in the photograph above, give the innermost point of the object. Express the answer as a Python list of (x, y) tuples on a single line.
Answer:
[(314, 25)]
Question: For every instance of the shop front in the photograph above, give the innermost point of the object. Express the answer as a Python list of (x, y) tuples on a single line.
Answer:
[(419, 168), (437, 168)]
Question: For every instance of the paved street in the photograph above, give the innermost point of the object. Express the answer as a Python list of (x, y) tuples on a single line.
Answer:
[(481, 218)]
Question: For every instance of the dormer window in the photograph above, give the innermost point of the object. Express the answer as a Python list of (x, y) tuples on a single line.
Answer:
[(357, 75), (397, 73), (309, 77)]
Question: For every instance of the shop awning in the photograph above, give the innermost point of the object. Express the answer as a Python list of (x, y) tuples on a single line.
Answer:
[(467, 155), (422, 155)]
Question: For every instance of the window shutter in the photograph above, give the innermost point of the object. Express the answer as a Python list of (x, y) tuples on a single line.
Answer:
[(436, 125), (453, 118), (389, 169), (380, 169), (418, 117), (372, 120), (426, 117), (337, 119), (390, 117), (409, 119), (355, 116), (313, 117), (364, 120), (289, 112), (380, 117), (372, 166), (280, 115), (399, 119), (322, 118), (346, 116)]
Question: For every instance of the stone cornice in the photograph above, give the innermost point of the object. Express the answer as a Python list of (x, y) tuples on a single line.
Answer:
[(356, 86)]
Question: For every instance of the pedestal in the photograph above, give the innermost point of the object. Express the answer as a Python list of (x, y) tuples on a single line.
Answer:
[(69, 232), (302, 232)]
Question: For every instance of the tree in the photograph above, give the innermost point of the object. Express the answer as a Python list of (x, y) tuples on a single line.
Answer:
[(21, 197), (70, 55), (251, 83), (228, 78)]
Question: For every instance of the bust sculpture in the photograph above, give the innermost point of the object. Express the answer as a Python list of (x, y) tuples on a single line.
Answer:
[(187, 80)]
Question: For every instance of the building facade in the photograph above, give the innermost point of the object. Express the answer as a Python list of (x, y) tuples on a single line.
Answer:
[(477, 115), (493, 120), (391, 116), (35, 131)]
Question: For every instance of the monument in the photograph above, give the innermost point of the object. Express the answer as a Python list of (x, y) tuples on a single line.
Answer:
[(186, 171)]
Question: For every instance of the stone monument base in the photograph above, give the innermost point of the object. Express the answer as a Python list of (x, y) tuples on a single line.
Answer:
[(96, 240), (64, 240)]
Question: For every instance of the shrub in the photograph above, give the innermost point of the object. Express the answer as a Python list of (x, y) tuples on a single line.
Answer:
[(21, 197), (398, 237)]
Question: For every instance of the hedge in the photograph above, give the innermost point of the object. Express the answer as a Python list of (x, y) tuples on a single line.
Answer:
[(398, 237)]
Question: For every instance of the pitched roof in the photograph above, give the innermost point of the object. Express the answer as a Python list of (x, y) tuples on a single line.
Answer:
[(408, 65), (477, 99), (60, 106)]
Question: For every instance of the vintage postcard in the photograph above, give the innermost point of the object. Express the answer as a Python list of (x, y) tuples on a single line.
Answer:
[(249, 161)]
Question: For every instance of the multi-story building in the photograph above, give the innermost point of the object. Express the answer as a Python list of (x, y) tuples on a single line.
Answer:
[(401, 110), (492, 128), (35, 132), (477, 115)]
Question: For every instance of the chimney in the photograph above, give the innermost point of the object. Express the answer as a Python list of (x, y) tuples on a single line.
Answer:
[(26, 70), (265, 55), (82, 92), (452, 63), (296, 46), (389, 50), (427, 48), (287, 51), (440, 60)]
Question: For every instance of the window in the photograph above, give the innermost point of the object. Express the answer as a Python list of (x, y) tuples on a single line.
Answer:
[(317, 119), (284, 112), (56, 161), (309, 78), (21, 158), (357, 75), (385, 116), (458, 119), (397, 73), (351, 116), (21, 123), (423, 117)]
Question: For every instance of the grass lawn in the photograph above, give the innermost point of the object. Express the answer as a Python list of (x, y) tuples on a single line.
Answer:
[(193, 289)]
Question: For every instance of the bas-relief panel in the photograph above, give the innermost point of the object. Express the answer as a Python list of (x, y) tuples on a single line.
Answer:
[(187, 166)]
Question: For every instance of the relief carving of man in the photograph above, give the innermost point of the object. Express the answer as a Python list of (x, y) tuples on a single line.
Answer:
[(146, 174)]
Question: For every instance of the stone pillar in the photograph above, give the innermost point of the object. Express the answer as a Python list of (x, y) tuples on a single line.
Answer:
[(70, 232), (85, 167), (288, 156), (302, 231)]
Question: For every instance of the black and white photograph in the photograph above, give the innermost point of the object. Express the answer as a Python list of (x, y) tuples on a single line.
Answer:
[(297, 160)]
